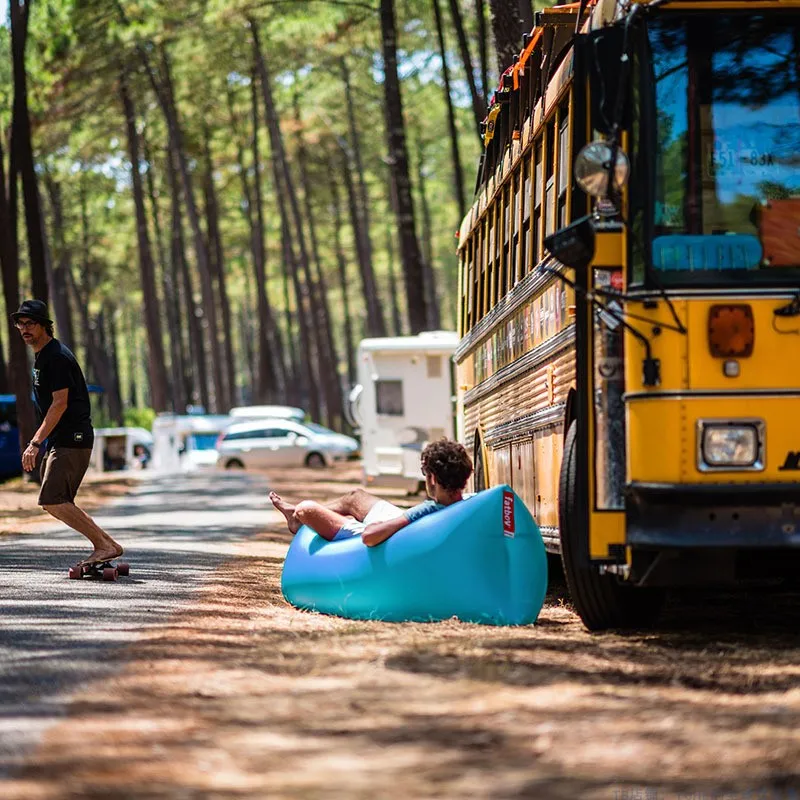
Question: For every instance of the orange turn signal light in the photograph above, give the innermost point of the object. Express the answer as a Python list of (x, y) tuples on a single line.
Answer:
[(731, 331)]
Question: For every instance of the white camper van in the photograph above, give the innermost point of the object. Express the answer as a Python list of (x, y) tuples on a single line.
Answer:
[(184, 442), (403, 400)]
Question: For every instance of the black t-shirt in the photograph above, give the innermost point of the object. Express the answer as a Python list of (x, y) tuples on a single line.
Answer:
[(55, 368)]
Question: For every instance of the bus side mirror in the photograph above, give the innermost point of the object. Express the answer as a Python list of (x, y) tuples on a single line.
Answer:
[(573, 246), (602, 51)]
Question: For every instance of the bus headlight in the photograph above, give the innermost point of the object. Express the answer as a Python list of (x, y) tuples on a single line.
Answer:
[(735, 445)]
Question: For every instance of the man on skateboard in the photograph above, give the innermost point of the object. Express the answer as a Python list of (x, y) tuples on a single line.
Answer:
[(62, 401)]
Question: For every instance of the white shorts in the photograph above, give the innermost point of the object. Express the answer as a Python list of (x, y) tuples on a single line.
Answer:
[(382, 511)]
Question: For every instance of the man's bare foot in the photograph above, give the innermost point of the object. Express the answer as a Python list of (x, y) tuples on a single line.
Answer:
[(287, 509), (103, 554)]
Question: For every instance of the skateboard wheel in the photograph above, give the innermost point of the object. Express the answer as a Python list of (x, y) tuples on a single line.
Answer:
[(109, 574), (75, 572), (123, 568)]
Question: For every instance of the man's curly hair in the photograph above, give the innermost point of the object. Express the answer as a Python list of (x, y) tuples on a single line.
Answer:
[(448, 462)]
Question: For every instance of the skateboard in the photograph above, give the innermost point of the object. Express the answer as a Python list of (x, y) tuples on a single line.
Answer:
[(103, 570)]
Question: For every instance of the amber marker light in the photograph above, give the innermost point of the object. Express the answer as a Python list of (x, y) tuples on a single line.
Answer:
[(731, 331)]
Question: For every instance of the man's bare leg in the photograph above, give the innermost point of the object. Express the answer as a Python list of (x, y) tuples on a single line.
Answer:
[(324, 521), (356, 504), (287, 509), (105, 548)]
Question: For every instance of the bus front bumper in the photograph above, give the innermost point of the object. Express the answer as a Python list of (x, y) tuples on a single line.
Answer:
[(753, 515)]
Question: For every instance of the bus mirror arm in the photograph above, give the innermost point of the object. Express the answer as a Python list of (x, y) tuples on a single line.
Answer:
[(651, 367)]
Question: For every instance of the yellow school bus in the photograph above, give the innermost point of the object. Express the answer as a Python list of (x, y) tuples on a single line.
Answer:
[(630, 296)]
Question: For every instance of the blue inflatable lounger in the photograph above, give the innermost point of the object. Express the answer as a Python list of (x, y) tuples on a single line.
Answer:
[(480, 560)]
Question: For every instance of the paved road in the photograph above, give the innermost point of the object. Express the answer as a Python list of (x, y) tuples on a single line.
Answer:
[(57, 634)]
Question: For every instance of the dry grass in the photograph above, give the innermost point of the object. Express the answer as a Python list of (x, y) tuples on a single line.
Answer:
[(243, 696)]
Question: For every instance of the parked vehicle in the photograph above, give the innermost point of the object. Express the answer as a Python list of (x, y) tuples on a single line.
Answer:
[(242, 413), (121, 448), (10, 454), (10, 458), (186, 441), (403, 400), (267, 443)]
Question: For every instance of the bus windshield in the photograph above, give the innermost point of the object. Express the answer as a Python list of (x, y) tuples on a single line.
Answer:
[(726, 193)]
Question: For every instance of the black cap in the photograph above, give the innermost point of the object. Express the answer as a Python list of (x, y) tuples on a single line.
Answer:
[(35, 309)]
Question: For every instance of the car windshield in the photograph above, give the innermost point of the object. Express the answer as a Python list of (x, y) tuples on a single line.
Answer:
[(203, 441), (726, 93), (317, 428)]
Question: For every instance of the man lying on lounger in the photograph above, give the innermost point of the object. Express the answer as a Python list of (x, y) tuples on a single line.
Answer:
[(446, 467)]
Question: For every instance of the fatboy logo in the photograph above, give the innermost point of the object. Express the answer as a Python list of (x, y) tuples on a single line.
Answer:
[(36, 377), (508, 514)]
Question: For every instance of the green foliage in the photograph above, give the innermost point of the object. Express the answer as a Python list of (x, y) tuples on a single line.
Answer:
[(76, 53), (139, 418)]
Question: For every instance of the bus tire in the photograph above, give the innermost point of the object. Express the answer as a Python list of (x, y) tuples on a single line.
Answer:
[(600, 600)]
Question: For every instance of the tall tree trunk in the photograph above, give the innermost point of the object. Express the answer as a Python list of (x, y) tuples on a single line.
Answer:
[(369, 286), (458, 175), (410, 256), (18, 373), (507, 32), (218, 262), (525, 16), (110, 337), (23, 161), (62, 263), (480, 14), (166, 97), (306, 352), (478, 99), (329, 363), (152, 317), (96, 363), (169, 289), (293, 367), (394, 292), (271, 379), (197, 379), (341, 263), (283, 181), (247, 334), (3, 370), (376, 325), (432, 300)]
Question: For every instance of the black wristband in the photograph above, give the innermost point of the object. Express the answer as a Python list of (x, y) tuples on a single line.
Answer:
[(34, 443)]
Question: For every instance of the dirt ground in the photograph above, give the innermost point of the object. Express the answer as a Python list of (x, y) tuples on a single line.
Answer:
[(18, 508), (242, 696)]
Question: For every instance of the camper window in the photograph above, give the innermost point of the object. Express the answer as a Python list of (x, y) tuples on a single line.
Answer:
[(434, 364), (389, 398)]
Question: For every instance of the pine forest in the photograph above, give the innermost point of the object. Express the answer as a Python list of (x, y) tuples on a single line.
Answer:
[(219, 200)]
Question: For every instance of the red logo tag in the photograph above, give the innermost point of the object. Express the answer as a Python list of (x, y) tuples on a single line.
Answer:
[(508, 514)]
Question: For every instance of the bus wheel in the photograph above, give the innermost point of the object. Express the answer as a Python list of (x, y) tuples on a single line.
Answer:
[(600, 600)]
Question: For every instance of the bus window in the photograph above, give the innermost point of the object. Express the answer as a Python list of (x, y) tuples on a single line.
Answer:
[(563, 165), (526, 218), (486, 259), (514, 268), (505, 261), (550, 191), (498, 256), (537, 204), (480, 261)]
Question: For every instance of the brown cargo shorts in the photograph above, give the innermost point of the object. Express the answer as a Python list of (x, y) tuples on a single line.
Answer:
[(62, 470)]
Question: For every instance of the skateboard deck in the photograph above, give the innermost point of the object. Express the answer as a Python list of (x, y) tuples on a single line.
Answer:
[(104, 570)]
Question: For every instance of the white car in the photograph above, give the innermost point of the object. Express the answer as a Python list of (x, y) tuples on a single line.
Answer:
[(268, 443)]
